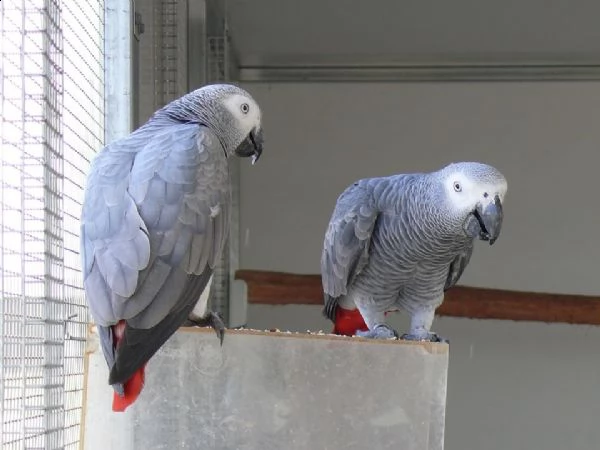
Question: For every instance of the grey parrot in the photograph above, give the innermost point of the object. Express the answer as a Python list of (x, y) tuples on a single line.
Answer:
[(399, 242), (154, 221)]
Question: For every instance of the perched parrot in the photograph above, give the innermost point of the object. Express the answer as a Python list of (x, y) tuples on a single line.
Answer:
[(154, 221), (400, 242)]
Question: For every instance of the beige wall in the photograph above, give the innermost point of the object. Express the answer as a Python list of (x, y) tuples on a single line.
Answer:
[(511, 385)]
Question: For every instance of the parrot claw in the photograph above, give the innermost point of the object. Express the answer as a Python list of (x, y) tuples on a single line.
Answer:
[(382, 331), (429, 337), (119, 389), (212, 319)]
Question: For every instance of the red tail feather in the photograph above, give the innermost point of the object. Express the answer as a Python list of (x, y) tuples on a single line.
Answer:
[(348, 321), (132, 387)]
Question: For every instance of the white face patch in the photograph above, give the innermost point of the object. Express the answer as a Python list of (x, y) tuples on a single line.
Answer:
[(465, 193), (245, 110)]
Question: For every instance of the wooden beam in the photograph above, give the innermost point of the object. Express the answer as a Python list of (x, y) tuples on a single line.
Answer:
[(278, 288)]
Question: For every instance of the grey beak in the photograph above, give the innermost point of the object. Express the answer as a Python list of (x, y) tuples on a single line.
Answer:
[(251, 146), (490, 219), (256, 137)]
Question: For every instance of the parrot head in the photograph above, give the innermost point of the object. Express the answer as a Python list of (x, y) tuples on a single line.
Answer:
[(230, 112), (246, 114), (476, 192)]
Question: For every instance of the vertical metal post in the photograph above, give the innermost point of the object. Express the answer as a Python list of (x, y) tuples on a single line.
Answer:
[(217, 72), (2, 262), (54, 311), (237, 290), (23, 228), (119, 50), (132, 35)]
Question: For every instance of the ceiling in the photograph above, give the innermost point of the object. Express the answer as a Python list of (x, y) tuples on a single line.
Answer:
[(334, 33)]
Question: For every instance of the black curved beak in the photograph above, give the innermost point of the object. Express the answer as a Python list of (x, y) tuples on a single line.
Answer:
[(251, 146), (490, 217)]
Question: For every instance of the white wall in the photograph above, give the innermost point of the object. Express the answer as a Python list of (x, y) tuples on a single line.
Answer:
[(511, 385), (545, 138)]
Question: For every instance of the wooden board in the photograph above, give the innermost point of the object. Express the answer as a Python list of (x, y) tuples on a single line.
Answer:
[(277, 288)]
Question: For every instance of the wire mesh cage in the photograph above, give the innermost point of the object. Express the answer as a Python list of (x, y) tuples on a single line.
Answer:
[(217, 72), (51, 123), (166, 44), (216, 56)]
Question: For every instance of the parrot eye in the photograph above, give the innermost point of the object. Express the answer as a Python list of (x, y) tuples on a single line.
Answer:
[(245, 108), (457, 186)]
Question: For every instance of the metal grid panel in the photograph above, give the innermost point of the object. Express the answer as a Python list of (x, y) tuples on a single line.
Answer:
[(216, 59), (166, 47), (170, 50), (51, 107), (83, 136), (217, 72)]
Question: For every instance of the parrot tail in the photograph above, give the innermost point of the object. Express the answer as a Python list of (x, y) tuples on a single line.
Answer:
[(134, 385), (348, 322)]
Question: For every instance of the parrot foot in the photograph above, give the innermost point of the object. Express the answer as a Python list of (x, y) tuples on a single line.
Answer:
[(426, 337), (212, 319), (119, 389), (382, 331)]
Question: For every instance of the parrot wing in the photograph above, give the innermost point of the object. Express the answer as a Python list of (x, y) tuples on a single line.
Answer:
[(154, 223), (458, 265), (346, 246)]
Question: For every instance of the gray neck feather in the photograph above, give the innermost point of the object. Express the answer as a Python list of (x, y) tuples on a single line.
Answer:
[(203, 108)]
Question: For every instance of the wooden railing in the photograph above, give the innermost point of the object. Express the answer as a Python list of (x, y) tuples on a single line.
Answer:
[(278, 288)]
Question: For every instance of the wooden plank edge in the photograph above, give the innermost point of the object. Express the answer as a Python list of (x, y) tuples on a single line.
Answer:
[(280, 288), (430, 347), (86, 371)]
